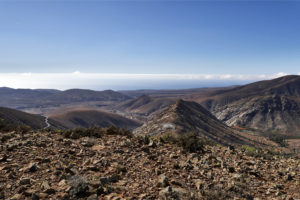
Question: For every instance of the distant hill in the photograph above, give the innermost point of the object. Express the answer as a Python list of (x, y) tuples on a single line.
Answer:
[(271, 106), (16, 117), (25, 93), (184, 116), (79, 95), (180, 93), (20, 98), (144, 105), (26, 98), (88, 117)]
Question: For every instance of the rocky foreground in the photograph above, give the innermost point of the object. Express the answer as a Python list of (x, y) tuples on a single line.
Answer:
[(45, 165)]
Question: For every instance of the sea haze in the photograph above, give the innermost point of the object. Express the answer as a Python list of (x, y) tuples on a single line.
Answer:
[(101, 81)]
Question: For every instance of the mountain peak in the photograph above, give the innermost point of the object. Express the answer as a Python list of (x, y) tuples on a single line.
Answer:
[(187, 116)]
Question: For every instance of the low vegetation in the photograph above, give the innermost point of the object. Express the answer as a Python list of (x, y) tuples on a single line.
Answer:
[(7, 127), (279, 138), (97, 132), (190, 142)]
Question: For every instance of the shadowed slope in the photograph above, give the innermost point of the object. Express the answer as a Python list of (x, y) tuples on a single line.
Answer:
[(16, 117), (89, 117)]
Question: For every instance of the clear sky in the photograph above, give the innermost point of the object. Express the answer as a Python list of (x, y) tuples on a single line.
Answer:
[(150, 37)]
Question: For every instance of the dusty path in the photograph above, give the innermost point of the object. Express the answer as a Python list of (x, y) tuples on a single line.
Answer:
[(47, 123)]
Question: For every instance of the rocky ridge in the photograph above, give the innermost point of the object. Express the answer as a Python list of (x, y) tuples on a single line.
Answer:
[(46, 165), (185, 116)]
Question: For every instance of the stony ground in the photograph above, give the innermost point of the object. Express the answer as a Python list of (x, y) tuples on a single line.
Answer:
[(42, 165)]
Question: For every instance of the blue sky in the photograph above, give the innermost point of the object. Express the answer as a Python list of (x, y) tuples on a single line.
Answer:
[(150, 37)]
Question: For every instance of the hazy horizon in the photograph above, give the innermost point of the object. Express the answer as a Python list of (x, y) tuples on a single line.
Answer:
[(99, 81)]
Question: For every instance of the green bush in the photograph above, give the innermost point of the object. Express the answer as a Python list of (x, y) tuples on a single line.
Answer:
[(251, 151), (190, 141), (23, 129)]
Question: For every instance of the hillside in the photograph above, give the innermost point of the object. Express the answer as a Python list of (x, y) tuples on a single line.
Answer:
[(144, 105), (184, 117), (16, 117), (46, 165), (87, 117), (270, 106)]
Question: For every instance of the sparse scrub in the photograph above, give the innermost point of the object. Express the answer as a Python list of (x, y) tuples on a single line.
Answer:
[(97, 132), (7, 127), (23, 129), (278, 138), (251, 151), (190, 142)]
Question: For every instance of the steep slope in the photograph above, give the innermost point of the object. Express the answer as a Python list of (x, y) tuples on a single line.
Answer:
[(274, 113), (16, 117), (272, 106), (144, 105), (90, 117), (185, 116)]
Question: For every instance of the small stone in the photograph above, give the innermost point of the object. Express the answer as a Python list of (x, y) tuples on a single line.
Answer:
[(17, 197), (42, 195), (29, 192), (45, 185), (25, 181), (170, 192), (152, 144), (62, 183), (32, 167), (78, 185), (35, 197), (162, 181), (2, 195), (231, 169), (289, 177), (93, 197), (104, 180), (198, 184), (249, 197), (146, 139), (50, 191)]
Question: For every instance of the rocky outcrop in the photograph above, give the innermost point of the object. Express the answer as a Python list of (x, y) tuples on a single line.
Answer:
[(269, 106), (274, 113)]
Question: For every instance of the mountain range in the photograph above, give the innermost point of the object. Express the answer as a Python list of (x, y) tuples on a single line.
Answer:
[(271, 106)]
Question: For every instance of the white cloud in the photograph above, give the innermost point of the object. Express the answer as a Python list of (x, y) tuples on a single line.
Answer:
[(123, 81), (281, 74), (76, 72)]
